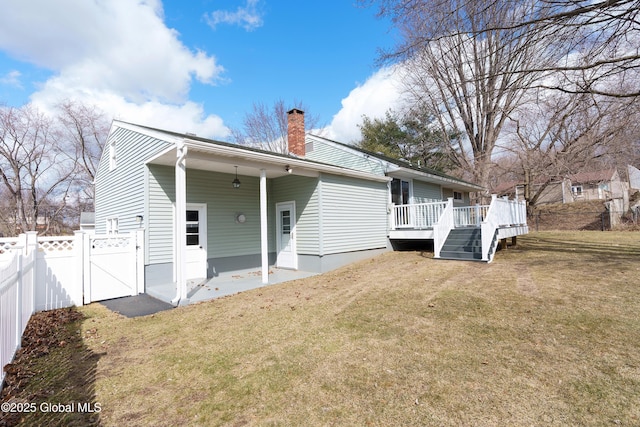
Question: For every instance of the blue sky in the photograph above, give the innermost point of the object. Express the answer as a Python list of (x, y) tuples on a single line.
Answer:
[(198, 65)]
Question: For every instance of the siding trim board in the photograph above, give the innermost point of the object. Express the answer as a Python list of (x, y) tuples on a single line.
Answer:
[(320, 216)]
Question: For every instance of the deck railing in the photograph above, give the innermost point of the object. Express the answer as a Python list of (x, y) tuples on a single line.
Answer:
[(418, 216), (469, 216), (422, 216), (442, 217), (501, 213)]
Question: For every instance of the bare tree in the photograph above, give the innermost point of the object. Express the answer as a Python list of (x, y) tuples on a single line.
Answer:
[(597, 42), (84, 129), (35, 171), (561, 134), (266, 127), (469, 83)]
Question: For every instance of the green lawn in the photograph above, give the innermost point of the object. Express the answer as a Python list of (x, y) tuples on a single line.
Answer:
[(547, 334)]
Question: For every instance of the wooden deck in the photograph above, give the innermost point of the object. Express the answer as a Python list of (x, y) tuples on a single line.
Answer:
[(501, 219)]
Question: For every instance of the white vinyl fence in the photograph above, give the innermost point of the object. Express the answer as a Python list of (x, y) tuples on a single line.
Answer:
[(45, 273), (17, 294)]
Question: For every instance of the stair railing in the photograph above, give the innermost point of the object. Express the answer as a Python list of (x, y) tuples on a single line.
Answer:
[(489, 228), (469, 216), (501, 213), (442, 228)]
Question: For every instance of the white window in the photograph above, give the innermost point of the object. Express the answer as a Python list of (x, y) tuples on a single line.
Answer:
[(576, 190), (112, 225), (457, 195), (112, 155)]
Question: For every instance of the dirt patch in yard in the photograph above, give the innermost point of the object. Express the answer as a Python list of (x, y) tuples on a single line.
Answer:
[(525, 281), (51, 379)]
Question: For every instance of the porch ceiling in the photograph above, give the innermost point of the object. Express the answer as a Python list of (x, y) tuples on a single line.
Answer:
[(226, 164), (223, 158)]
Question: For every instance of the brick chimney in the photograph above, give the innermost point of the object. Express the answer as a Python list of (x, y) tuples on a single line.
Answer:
[(295, 132)]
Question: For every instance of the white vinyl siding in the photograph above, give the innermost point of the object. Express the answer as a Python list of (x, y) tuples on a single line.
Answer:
[(465, 201), (121, 192), (424, 192), (160, 218), (225, 236), (334, 154), (354, 214), (304, 191)]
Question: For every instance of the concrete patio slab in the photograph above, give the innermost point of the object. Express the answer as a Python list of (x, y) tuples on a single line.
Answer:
[(227, 283)]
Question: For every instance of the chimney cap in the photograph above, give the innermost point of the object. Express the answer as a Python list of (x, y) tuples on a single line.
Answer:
[(295, 111)]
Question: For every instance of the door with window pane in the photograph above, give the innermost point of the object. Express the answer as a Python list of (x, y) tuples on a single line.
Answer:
[(286, 235), (400, 195), (196, 238)]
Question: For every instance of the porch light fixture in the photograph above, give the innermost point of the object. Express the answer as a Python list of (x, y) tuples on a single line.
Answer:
[(288, 169), (236, 182)]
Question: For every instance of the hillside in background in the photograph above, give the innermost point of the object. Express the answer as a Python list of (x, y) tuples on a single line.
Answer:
[(587, 215)]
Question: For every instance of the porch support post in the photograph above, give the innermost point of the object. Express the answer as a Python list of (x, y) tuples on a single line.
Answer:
[(264, 244), (181, 225)]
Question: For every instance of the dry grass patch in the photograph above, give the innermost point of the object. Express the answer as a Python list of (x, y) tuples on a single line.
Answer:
[(546, 334)]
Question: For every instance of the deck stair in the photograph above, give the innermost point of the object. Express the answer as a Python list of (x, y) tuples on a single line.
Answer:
[(463, 244)]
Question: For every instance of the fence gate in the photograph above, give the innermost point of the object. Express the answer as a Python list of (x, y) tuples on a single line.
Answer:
[(58, 272), (111, 267)]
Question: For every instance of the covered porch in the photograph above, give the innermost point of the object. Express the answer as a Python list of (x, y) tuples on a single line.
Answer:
[(435, 221), (222, 217)]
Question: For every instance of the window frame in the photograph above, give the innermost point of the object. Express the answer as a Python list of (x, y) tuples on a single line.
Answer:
[(112, 225)]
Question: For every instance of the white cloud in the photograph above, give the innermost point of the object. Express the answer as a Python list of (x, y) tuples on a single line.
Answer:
[(12, 78), (116, 54), (185, 117), (373, 98), (248, 17)]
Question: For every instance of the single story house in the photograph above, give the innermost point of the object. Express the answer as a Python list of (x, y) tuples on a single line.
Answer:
[(209, 207)]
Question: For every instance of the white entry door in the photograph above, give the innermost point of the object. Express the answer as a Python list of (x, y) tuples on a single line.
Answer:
[(196, 235), (286, 235)]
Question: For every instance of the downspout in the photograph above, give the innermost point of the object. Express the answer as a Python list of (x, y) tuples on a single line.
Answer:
[(180, 224)]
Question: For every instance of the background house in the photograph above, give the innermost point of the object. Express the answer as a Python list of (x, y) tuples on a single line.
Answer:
[(605, 185)]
